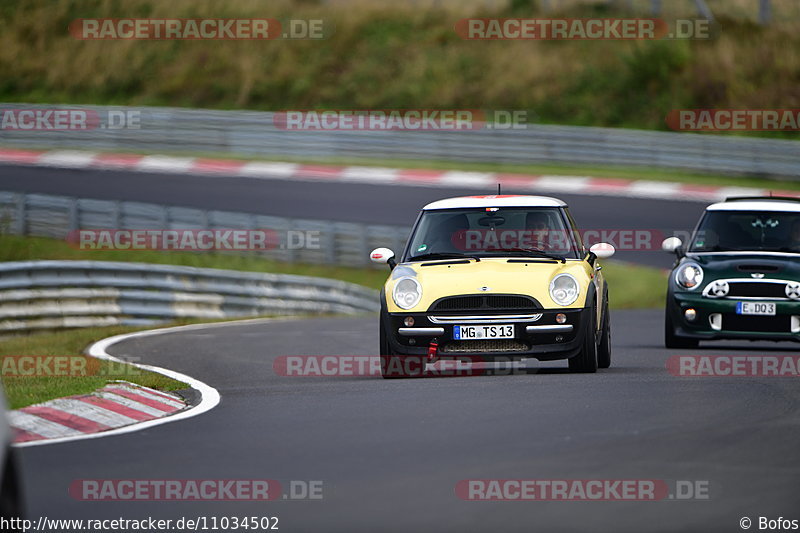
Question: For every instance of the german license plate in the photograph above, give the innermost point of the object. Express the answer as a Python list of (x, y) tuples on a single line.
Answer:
[(755, 308), (462, 333)]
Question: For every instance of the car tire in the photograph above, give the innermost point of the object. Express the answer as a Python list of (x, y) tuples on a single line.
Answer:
[(586, 360), (10, 490), (604, 350), (394, 366), (676, 341)]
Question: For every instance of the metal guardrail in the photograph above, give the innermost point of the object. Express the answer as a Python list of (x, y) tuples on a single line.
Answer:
[(71, 294), (340, 243), (250, 133)]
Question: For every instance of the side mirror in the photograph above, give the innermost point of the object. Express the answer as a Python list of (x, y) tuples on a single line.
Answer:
[(602, 250), (672, 244), (383, 256)]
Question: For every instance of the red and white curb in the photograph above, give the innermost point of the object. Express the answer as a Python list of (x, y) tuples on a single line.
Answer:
[(585, 185), (114, 406), (209, 396)]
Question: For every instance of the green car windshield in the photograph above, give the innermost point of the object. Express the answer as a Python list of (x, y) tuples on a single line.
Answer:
[(492, 232), (737, 231)]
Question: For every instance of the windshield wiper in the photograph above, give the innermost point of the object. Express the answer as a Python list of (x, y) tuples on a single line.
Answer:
[(532, 252), (443, 255)]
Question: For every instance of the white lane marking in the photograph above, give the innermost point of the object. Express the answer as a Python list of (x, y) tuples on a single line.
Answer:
[(40, 426), (369, 174), (161, 163), (724, 192), (457, 178), (92, 412), (258, 169), (67, 159), (562, 183), (654, 189), (127, 402)]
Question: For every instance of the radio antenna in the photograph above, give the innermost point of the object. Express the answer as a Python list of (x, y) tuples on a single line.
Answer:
[(498, 190)]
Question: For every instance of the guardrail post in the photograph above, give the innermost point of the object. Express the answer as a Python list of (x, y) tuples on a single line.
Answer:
[(290, 253), (704, 11), (73, 215), (165, 217), (398, 242), (364, 255), (655, 8), (331, 238), (764, 12), (116, 215), (20, 225)]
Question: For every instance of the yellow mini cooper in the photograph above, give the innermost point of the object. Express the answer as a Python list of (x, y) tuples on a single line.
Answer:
[(494, 278)]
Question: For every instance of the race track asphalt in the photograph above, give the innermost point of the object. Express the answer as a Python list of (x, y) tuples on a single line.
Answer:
[(389, 453), (349, 202)]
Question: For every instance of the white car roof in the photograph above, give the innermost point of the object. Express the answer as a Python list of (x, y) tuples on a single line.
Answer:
[(756, 205), (503, 200)]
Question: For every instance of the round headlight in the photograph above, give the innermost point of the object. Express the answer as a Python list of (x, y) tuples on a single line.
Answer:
[(407, 292), (564, 289), (689, 275)]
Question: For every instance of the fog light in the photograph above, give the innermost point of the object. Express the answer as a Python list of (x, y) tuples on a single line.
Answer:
[(690, 314), (561, 318), (409, 321), (559, 338)]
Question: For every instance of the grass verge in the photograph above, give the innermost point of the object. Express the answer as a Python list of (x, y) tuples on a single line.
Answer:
[(88, 373)]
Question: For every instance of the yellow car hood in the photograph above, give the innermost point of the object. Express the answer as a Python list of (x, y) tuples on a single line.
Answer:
[(500, 276)]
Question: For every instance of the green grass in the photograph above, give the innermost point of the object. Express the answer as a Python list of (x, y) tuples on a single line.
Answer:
[(14, 248), (394, 55), (633, 286), (89, 376)]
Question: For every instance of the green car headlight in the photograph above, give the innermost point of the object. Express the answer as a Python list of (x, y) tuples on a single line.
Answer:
[(689, 276)]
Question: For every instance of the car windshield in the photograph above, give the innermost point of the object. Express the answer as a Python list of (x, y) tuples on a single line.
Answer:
[(482, 232), (734, 231)]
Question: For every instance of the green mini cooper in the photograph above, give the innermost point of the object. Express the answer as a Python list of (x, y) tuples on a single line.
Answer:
[(739, 276)]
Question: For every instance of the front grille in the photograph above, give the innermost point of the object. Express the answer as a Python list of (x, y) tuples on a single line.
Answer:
[(746, 289), (487, 302), (758, 324), (484, 346)]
